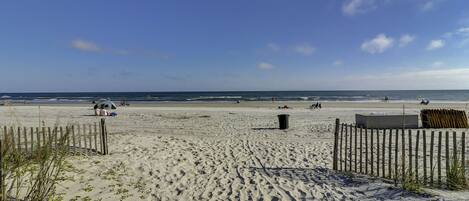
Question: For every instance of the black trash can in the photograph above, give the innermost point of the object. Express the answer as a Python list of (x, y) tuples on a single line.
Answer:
[(283, 121)]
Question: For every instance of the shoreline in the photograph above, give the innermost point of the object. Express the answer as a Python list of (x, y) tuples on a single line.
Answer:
[(266, 104)]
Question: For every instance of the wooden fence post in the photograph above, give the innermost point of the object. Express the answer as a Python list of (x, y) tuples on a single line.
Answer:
[(455, 147), (424, 157), (336, 135), (396, 152), (366, 151), (95, 133), (73, 139), (350, 153), (463, 151), (371, 152), (432, 170), (439, 158), (90, 139), (378, 155), (2, 178), (410, 151), (403, 153), (19, 139), (103, 135), (417, 156), (383, 168), (31, 133), (345, 148), (390, 155), (447, 156), (25, 135), (355, 147), (38, 138), (361, 150)]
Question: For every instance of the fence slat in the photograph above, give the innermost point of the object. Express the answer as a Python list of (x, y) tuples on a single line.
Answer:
[(371, 153), (378, 154), (403, 153), (79, 136), (38, 137), (73, 139), (410, 151), (104, 137), (384, 152), (390, 156), (355, 147), (32, 139), (350, 153), (90, 140), (345, 148), (25, 136), (439, 158), (447, 155), (366, 151), (336, 141), (12, 137), (361, 150), (396, 158), (417, 156), (432, 145), (56, 133), (455, 147), (424, 157), (463, 151), (19, 138), (44, 136), (95, 138), (83, 134)]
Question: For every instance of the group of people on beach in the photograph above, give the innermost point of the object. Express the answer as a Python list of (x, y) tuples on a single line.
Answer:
[(316, 105)]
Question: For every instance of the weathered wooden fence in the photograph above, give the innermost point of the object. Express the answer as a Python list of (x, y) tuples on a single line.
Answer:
[(86, 139), (397, 154)]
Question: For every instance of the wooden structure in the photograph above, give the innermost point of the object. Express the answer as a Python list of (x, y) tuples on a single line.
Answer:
[(396, 154), (443, 118), (88, 139)]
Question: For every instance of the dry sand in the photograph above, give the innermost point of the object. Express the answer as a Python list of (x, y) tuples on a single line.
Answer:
[(216, 151)]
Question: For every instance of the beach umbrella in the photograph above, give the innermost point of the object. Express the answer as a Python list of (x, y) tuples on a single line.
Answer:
[(107, 105)]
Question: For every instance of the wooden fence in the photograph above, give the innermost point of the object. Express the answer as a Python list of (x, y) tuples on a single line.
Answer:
[(85, 139), (397, 154)]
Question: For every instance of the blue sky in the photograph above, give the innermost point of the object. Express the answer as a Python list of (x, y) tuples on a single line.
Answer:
[(233, 45)]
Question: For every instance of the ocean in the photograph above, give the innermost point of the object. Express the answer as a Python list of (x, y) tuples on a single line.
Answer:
[(85, 97)]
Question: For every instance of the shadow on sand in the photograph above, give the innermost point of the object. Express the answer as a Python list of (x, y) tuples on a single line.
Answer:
[(364, 187)]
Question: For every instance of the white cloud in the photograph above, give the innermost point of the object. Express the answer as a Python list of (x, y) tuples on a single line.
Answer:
[(85, 46), (379, 44), (338, 63), (464, 31), (89, 46), (265, 66), (305, 49), (274, 47), (447, 78), (427, 6), (435, 44), (405, 40), (353, 7), (460, 36)]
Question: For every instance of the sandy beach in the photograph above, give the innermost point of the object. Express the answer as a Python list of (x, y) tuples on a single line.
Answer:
[(216, 151)]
